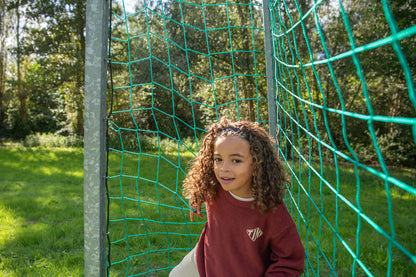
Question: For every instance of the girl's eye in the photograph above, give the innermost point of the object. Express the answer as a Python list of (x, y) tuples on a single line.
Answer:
[(217, 160), (236, 161)]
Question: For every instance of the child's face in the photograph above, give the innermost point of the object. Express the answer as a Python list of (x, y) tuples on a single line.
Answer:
[(233, 165)]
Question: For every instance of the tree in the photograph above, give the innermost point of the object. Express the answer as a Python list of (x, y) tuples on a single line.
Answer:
[(381, 89), (14, 13), (59, 45), (4, 22)]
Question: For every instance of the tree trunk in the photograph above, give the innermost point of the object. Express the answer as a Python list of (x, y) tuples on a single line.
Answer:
[(79, 74), (21, 92), (246, 66), (3, 34)]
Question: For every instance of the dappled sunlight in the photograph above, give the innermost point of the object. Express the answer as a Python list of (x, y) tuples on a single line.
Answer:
[(41, 215), (400, 194), (49, 170), (42, 164), (9, 224)]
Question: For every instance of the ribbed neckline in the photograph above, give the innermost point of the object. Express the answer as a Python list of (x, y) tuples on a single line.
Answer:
[(241, 198), (234, 201)]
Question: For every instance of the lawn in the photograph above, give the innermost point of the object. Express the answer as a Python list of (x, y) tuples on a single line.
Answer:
[(150, 231), (332, 230), (41, 211), (149, 219)]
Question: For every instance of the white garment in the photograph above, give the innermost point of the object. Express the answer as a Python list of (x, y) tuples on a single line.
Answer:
[(242, 198), (187, 267)]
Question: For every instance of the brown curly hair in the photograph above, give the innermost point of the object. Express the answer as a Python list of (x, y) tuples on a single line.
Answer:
[(269, 178)]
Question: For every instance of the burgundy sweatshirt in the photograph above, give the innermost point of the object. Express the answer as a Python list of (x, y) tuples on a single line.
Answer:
[(239, 241)]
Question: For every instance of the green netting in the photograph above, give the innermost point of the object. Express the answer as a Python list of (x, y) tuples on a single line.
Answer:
[(345, 115), (316, 119)]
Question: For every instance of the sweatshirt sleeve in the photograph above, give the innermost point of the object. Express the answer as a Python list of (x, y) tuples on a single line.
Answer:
[(287, 256)]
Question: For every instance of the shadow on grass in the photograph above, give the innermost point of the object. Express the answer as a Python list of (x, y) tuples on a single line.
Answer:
[(41, 211), (41, 193)]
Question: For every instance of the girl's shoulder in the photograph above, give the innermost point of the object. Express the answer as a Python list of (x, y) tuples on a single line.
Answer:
[(280, 216)]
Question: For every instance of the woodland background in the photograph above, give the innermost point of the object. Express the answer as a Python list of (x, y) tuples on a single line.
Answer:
[(42, 52)]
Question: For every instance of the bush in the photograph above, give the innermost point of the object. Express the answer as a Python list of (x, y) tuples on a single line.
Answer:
[(395, 148), (151, 143), (53, 140)]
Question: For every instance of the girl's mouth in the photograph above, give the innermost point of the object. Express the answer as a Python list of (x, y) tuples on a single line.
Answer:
[(226, 180)]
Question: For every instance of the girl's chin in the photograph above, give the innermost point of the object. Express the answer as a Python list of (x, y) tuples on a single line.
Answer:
[(227, 188)]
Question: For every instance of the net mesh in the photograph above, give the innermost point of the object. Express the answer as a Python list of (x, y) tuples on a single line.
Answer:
[(345, 102)]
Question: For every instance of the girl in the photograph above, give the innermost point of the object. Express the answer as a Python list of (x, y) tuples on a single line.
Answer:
[(249, 231)]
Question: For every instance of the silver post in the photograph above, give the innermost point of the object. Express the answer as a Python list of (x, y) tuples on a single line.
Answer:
[(94, 137), (271, 95)]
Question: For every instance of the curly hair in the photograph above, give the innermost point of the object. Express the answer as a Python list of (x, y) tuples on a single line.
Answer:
[(269, 177)]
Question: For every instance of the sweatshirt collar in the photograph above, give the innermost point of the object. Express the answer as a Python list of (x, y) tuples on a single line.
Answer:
[(250, 199)]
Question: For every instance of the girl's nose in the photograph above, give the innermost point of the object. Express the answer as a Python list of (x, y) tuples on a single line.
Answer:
[(225, 166)]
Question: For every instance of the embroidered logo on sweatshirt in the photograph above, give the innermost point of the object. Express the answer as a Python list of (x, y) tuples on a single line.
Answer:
[(254, 234)]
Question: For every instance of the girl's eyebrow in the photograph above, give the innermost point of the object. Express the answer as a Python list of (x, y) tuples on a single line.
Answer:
[(232, 155), (237, 155)]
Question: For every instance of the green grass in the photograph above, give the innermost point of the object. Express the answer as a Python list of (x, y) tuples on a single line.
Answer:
[(321, 208), (149, 229), (141, 184), (41, 212)]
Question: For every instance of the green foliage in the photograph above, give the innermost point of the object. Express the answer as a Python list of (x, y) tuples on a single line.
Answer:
[(192, 71), (44, 107), (330, 93), (395, 148), (13, 127), (147, 143), (191, 67), (46, 84), (52, 140)]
